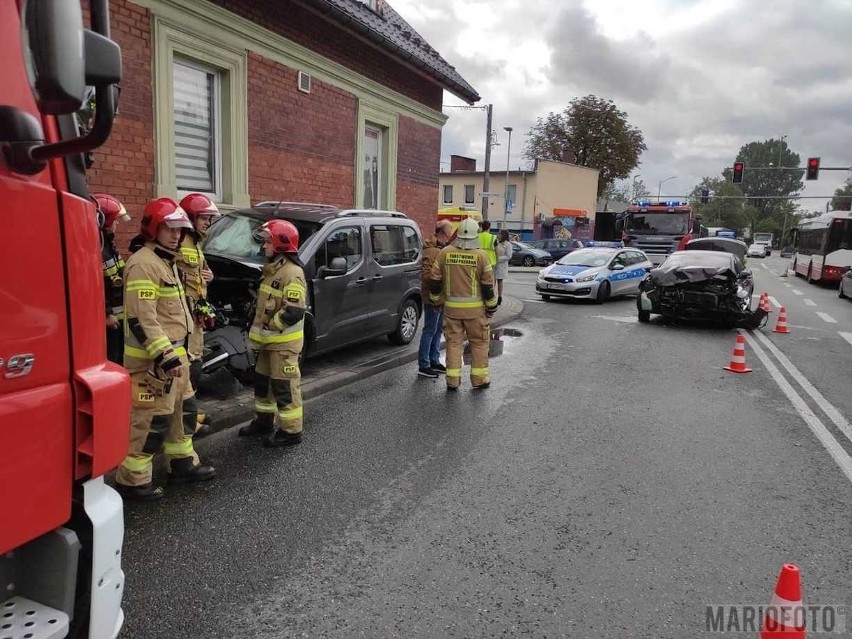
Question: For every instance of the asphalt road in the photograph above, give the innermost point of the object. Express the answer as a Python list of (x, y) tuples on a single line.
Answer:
[(613, 482)]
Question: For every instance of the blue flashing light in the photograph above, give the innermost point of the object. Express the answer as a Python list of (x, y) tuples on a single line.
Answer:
[(596, 244)]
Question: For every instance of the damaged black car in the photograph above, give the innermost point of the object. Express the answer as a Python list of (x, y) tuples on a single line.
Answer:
[(706, 285)]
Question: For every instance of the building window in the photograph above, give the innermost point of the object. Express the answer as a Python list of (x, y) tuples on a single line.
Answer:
[(369, 3), (200, 116), (512, 197), (198, 129), (376, 157), (469, 194), (448, 194), (374, 168)]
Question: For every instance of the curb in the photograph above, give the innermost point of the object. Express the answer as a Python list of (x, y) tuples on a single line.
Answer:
[(242, 409)]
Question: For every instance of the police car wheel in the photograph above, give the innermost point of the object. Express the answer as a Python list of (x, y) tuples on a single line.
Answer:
[(603, 293), (546, 298)]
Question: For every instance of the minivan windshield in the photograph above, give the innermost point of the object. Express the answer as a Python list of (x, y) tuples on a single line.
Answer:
[(234, 236)]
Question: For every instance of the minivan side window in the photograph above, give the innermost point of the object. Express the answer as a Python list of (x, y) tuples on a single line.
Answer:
[(344, 242), (394, 244)]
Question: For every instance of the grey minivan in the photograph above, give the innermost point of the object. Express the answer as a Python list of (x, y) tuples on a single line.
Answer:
[(362, 269)]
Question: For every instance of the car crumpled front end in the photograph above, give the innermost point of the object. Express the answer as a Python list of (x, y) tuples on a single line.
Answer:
[(702, 293)]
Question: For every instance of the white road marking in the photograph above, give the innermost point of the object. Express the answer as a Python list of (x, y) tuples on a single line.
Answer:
[(825, 317), (846, 336), (827, 407), (788, 285), (828, 441), (619, 318), (775, 302), (764, 266), (808, 302), (534, 301), (797, 292)]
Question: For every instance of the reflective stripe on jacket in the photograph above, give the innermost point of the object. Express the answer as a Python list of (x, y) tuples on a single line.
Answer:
[(154, 303), (191, 263), (283, 286)]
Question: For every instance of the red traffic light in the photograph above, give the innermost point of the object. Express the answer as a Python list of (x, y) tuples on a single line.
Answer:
[(738, 172), (813, 169)]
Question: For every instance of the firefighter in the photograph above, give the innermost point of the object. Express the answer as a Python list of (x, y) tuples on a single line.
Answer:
[(463, 277), (110, 212), (277, 335), (157, 326), (202, 211)]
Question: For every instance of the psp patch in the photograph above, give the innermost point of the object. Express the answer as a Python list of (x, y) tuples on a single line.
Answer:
[(290, 369), (146, 398), (147, 294), (293, 296)]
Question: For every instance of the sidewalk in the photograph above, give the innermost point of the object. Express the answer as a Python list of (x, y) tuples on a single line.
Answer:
[(329, 372)]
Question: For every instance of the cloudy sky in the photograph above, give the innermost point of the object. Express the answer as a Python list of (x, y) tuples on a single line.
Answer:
[(699, 78)]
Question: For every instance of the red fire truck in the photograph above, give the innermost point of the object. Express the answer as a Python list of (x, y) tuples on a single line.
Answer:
[(64, 410), (659, 228)]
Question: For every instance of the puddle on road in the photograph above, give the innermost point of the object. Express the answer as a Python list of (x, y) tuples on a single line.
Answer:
[(501, 338)]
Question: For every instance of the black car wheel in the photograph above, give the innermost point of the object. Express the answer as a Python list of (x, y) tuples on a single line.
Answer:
[(406, 325), (546, 298), (644, 316), (529, 260), (840, 292), (603, 293)]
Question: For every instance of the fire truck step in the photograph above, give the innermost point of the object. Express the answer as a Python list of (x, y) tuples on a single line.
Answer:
[(22, 618)]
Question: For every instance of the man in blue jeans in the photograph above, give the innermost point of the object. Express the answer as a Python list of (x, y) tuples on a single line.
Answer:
[(429, 359)]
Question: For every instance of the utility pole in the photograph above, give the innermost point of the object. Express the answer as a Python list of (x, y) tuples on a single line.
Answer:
[(487, 177)]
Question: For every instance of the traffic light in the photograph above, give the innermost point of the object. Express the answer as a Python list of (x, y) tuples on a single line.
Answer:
[(705, 196), (813, 169), (738, 172)]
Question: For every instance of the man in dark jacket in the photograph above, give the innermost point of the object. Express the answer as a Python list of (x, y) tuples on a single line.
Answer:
[(429, 358)]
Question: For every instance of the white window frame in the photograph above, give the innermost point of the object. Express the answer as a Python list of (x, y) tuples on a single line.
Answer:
[(377, 184), (444, 194), (376, 117), (512, 194), (216, 193), (472, 188)]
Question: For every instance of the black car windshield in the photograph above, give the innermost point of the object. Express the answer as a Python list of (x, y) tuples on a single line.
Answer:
[(234, 236), (713, 259), (674, 223), (586, 257)]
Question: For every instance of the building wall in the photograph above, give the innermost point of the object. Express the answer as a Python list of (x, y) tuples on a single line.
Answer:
[(298, 146), (552, 185)]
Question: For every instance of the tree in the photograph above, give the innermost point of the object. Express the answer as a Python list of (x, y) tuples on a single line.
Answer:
[(724, 208), (842, 200), (761, 180), (590, 132)]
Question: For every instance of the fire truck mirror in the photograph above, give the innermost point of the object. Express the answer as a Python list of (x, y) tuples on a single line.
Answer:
[(53, 42)]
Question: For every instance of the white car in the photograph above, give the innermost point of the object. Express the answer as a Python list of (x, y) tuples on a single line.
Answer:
[(756, 250)]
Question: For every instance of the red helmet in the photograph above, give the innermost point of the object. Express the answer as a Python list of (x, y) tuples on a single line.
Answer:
[(196, 204), (284, 236), (166, 211), (111, 208)]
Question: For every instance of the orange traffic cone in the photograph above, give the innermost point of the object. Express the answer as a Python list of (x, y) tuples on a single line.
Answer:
[(764, 303), (781, 325), (738, 364), (785, 616)]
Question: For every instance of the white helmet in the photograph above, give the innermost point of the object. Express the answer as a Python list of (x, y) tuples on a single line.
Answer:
[(468, 229)]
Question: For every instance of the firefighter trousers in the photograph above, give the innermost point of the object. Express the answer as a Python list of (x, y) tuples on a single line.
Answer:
[(278, 390), (478, 332), (156, 423)]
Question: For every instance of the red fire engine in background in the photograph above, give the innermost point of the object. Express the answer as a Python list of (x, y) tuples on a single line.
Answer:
[(659, 228), (64, 410)]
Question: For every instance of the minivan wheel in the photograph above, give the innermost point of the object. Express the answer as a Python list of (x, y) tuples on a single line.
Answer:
[(406, 325)]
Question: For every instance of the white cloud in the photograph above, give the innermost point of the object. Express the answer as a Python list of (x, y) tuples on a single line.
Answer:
[(700, 78)]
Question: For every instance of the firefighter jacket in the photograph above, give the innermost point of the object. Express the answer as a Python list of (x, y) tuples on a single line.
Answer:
[(113, 268), (157, 320), (191, 264), (466, 280), (488, 243), (431, 250), (279, 317)]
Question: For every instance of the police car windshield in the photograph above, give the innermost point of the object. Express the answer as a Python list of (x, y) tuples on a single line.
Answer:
[(586, 257)]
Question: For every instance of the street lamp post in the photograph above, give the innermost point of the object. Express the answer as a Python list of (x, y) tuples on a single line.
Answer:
[(508, 154), (660, 186)]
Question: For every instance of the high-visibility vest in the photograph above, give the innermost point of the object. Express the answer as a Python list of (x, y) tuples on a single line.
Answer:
[(487, 242)]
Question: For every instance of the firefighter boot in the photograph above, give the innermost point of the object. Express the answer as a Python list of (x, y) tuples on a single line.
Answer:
[(183, 472), (262, 424), (145, 492), (279, 439), (203, 425)]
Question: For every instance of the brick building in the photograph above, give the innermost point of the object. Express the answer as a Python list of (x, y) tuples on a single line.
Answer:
[(331, 101)]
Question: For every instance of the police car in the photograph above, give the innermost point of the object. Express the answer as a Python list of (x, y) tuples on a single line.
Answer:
[(599, 271)]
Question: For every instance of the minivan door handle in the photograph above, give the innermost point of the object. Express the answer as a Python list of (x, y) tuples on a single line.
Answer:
[(359, 282), (377, 277)]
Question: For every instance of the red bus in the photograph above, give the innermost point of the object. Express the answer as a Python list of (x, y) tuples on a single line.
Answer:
[(824, 247)]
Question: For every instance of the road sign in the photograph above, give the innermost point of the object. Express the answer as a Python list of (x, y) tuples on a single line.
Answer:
[(489, 194)]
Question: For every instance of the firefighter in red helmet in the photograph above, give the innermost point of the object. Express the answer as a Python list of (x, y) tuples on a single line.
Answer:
[(278, 335), (157, 325), (110, 212), (202, 211)]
